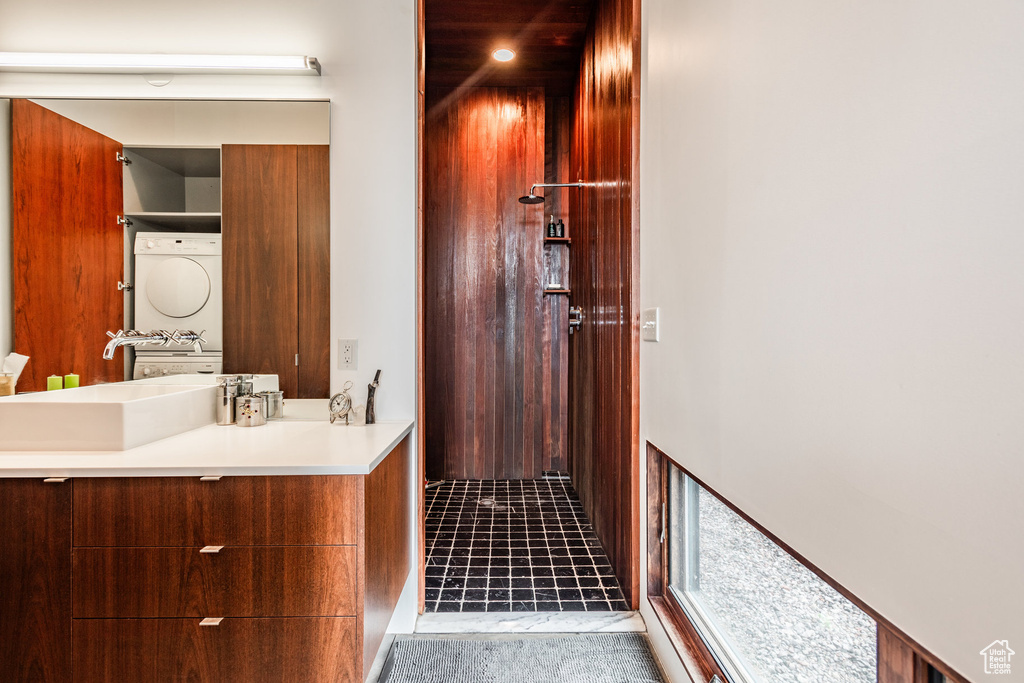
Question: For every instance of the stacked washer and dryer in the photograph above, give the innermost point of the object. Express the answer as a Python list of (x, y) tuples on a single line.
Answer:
[(178, 287)]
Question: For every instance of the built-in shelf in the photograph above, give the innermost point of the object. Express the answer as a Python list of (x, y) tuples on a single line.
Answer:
[(557, 240), (202, 162), (556, 291), (168, 182), (178, 220)]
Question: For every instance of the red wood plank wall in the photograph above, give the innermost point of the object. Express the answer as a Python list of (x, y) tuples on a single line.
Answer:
[(492, 353), (604, 398)]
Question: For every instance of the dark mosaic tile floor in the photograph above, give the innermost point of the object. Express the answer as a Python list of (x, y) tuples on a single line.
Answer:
[(514, 546)]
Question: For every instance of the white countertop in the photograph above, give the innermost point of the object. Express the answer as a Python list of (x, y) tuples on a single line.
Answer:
[(289, 446)]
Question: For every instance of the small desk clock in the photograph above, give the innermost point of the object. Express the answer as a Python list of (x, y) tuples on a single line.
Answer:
[(341, 404)]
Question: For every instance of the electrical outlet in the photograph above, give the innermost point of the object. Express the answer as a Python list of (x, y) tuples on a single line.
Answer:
[(348, 354), (650, 321)]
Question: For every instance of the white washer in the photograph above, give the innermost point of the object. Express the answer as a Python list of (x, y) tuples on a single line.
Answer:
[(178, 287)]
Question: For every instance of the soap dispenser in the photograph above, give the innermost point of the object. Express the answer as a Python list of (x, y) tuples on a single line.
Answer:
[(552, 228)]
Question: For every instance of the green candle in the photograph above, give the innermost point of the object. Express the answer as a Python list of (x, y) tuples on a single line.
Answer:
[(70, 381), (54, 382)]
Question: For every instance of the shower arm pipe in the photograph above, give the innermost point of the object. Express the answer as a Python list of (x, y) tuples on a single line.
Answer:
[(576, 184)]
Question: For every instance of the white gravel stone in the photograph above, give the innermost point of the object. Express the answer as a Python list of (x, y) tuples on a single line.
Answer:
[(788, 625)]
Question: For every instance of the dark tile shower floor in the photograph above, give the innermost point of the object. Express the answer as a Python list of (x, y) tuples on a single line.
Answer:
[(514, 546)]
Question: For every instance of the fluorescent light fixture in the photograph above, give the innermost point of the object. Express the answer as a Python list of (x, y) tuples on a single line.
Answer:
[(504, 54), (157, 64)]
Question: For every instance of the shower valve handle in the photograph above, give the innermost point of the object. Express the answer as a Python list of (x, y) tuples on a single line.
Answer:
[(575, 318)]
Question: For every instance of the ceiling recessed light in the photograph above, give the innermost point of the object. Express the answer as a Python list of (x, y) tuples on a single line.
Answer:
[(503, 54)]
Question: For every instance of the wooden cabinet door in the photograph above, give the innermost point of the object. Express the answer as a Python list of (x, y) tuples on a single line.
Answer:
[(260, 253), (314, 271), (68, 247), (276, 228), (35, 581)]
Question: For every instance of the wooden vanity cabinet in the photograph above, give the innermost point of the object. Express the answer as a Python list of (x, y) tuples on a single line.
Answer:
[(35, 580), (303, 572)]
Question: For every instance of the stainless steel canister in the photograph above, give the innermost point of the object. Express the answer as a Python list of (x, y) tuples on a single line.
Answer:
[(227, 392), (275, 404), (250, 411)]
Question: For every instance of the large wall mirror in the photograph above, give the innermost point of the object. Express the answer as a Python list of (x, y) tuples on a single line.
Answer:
[(210, 216)]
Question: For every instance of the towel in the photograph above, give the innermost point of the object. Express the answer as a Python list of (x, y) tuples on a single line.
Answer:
[(15, 363)]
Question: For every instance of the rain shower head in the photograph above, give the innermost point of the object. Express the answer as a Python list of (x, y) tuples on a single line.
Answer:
[(534, 198)]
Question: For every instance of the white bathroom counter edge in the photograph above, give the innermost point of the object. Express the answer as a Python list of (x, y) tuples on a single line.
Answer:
[(280, 447)]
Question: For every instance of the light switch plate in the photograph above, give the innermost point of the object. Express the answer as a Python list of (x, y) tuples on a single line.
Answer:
[(348, 354), (650, 329)]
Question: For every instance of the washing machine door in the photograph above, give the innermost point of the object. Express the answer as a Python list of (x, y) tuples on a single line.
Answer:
[(178, 287)]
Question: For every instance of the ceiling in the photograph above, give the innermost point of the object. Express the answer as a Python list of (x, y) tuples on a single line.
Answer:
[(547, 36)]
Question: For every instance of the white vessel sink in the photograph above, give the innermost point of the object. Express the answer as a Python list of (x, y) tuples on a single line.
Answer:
[(103, 417)]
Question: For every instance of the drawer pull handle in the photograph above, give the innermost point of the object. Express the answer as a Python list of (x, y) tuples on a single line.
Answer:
[(212, 549), (55, 480), (210, 478), (211, 621)]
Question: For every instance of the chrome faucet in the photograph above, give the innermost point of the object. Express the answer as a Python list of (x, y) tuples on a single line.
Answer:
[(160, 337)]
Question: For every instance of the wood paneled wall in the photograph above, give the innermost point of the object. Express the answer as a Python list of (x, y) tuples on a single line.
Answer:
[(491, 350), (68, 248), (603, 357)]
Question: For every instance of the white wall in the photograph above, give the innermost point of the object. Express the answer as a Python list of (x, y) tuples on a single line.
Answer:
[(200, 123), (833, 227), (367, 50)]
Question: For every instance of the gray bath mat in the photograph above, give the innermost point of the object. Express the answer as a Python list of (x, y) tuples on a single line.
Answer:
[(590, 658)]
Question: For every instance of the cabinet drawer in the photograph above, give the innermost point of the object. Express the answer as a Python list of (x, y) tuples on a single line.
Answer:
[(243, 650), (237, 581), (184, 511)]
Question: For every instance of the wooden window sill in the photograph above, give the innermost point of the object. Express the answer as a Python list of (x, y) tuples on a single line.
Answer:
[(693, 653)]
